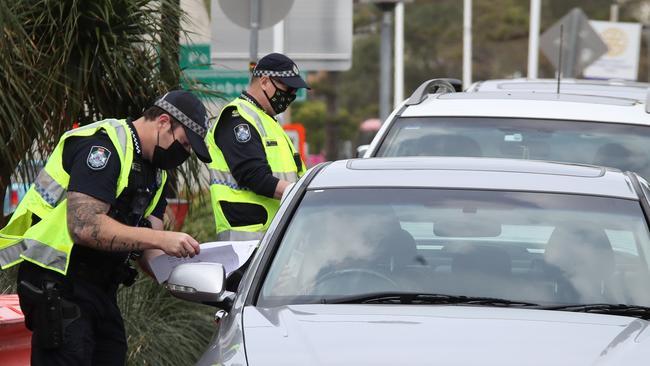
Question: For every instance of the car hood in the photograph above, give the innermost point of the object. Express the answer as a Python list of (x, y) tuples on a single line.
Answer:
[(447, 335)]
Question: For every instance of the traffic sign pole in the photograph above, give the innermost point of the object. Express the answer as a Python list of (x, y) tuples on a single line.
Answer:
[(572, 44), (255, 27)]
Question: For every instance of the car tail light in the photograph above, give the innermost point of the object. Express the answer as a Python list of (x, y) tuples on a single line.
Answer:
[(14, 198)]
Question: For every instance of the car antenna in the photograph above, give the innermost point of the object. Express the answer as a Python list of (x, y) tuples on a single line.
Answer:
[(559, 67)]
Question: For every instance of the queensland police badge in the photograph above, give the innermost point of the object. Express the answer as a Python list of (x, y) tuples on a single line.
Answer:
[(242, 133), (98, 157)]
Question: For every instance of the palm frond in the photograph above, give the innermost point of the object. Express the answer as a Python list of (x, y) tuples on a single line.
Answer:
[(161, 329), (77, 61)]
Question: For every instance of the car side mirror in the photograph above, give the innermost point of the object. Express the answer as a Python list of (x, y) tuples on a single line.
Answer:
[(361, 150), (198, 282)]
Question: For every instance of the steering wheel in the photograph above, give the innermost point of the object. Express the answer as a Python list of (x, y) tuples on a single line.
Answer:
[(340, 277)]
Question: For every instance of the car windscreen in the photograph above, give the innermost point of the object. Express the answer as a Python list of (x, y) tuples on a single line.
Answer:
[(537, 247), (622, 146)]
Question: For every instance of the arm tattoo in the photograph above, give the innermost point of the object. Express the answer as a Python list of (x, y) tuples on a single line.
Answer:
[(84, 224), (83, 217)]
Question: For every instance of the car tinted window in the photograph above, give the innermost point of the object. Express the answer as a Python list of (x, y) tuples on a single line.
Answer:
[(545, 248), (626, 147)]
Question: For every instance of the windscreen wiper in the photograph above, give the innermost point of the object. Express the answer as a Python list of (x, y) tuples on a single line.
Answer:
[(612, 309), (423, 298)]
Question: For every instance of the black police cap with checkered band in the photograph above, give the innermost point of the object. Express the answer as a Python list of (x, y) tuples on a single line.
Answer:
[(281, 67), (190, 112)]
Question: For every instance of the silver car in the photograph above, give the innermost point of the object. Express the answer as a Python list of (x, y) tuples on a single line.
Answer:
[(450, 261), (518, 123)]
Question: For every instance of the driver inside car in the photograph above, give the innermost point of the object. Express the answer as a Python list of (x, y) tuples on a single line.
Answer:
[(344, 251)]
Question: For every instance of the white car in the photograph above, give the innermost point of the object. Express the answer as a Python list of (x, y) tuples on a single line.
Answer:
[(441, 261), (571, 128), (604, 88)]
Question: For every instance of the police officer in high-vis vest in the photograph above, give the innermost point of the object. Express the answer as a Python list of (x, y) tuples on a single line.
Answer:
[(253, 159), (97, 204)]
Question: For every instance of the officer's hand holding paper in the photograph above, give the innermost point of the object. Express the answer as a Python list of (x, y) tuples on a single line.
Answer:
[(232, 254)]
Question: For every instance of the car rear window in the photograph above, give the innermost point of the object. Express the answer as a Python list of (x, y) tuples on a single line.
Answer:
[(622, 146)]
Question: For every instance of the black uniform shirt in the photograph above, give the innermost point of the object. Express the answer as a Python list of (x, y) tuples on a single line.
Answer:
[(94, 168), (244, 152)]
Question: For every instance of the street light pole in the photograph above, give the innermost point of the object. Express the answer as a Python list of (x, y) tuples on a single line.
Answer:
[(398, 92), (533, 38), (467, 43), (385, 66), (646, 32), (613, 12)]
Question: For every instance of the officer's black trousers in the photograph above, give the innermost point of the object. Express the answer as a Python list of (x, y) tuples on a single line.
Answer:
[(95, 337)]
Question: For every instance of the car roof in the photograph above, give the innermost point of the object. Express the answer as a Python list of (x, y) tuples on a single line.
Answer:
[(531, 105), (475, 174), (610, 88)]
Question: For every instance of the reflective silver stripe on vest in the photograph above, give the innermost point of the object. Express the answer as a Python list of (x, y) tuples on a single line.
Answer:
[(233, 235), (49, 190), (225, 179), (121, 135), (290, 177), (119, 129), (45, 254), (12, 253), (255, 116)]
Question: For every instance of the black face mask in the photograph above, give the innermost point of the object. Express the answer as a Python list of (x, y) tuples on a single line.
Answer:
[(171, 157), (281, 99)]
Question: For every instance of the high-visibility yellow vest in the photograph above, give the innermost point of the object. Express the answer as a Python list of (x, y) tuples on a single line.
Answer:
[(48, 243), (223, 186)]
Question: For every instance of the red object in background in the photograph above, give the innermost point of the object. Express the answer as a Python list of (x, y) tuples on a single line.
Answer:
[(14, 199), (296, 132), (179, 208), (15, 339)]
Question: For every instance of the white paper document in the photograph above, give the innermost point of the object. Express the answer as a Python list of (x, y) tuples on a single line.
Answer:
[(232, 254)]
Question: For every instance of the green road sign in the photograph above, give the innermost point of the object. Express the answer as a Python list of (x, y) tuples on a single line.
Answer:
[(194, 56), (194, 60), (229, 84)]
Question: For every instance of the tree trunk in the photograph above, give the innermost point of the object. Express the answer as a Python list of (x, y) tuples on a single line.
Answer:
[(169, 62)]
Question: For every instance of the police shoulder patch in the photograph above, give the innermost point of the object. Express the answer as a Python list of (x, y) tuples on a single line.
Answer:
[(242, 132), (98, 157)]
